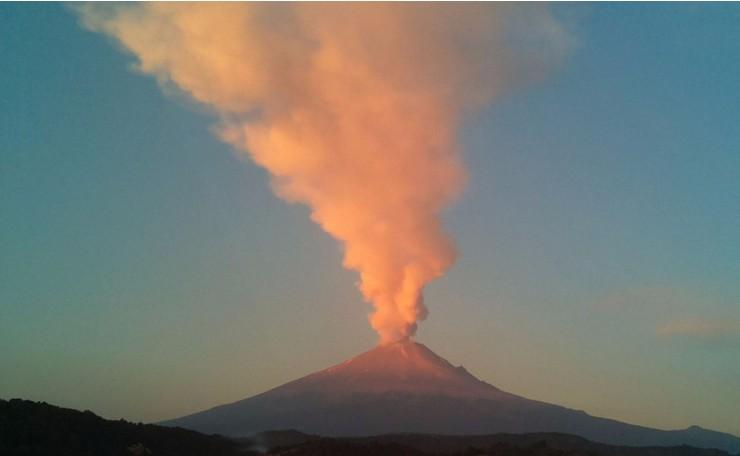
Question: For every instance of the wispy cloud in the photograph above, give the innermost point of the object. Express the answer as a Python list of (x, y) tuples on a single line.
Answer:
[(701, 329)]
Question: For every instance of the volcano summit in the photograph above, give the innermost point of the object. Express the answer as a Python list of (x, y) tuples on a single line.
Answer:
[(404, 387)]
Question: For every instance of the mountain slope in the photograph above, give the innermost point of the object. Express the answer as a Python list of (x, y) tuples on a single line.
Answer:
[(405, 387)]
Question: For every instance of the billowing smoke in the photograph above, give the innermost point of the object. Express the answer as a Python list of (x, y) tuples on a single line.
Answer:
[(352, 108)]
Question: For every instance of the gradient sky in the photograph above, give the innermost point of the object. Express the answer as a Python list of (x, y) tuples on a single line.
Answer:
[(148, 272)]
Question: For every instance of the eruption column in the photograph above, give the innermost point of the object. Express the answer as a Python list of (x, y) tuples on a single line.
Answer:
[(352, 108)]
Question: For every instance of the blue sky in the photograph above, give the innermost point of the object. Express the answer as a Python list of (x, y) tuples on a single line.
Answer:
[(149, 272)]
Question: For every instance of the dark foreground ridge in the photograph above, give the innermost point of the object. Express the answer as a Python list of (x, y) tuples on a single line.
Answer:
[(542, 444), (36, 428), (405, 387)]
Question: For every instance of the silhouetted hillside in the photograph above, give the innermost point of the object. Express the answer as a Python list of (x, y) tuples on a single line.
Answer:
[(483, 445), (346, 447), (36, 428)]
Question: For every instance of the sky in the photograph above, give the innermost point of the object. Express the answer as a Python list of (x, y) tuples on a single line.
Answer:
[(148, 271)]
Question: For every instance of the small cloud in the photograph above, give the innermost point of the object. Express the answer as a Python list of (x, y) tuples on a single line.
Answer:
[(701, 329)]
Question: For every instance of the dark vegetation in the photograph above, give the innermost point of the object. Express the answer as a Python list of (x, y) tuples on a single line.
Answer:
[(541, 444), (36, 428)]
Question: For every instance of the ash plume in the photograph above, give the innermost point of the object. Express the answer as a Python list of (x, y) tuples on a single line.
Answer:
[(353, 108)]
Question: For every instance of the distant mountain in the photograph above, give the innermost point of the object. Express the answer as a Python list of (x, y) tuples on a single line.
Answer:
[(405, 387), (39, 429)]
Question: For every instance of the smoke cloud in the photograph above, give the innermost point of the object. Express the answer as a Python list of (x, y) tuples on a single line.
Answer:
[(352, 108)]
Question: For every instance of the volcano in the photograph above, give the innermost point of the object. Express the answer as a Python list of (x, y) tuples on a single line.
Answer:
[(404, 387)]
